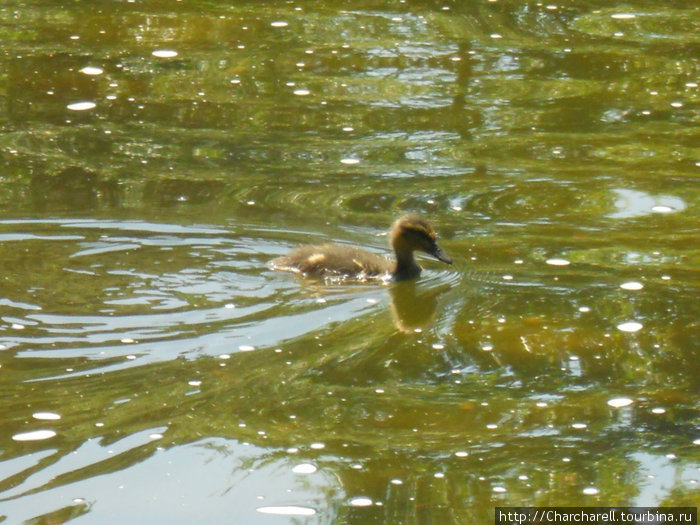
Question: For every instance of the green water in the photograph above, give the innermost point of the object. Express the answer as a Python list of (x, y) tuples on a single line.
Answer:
[(553, 146)]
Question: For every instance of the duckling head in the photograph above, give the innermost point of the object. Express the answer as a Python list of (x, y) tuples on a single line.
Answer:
[(413, 233)]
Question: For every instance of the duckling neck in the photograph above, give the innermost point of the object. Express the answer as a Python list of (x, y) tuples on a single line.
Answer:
[(406, 266)]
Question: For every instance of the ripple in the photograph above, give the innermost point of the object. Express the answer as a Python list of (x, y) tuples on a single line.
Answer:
[(641, 26), (525, 202), (195, 314), (635, 203), (89, 453)]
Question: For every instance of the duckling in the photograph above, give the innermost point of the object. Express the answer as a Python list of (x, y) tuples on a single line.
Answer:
[(408, 234)]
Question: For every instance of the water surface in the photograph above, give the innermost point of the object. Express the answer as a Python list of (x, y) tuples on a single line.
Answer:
[(156, 155)]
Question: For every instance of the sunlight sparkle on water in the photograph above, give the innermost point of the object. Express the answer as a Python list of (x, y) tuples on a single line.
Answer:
[(590, 491), (360, 502), (557, 262), (623, 16), (288, 510), (36, 435), (279, 23), (349, 161), (304, 468), (46, 416), (620, 402), (630, 326), (632, 285), (81, 106), (89, 70), (164, 53)]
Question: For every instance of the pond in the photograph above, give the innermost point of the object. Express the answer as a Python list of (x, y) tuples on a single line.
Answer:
[(156, 155)]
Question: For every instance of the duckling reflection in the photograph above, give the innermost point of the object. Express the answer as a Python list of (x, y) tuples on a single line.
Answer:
[(413, 308), (410, 233)]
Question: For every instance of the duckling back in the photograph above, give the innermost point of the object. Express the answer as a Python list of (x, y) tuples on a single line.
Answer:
[(335, 260)]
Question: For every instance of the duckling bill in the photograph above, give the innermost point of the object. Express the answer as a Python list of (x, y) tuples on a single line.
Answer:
[(410, 233)]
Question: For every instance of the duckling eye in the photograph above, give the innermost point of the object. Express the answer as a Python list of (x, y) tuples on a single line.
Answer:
[(422, 239), (430, 244)]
